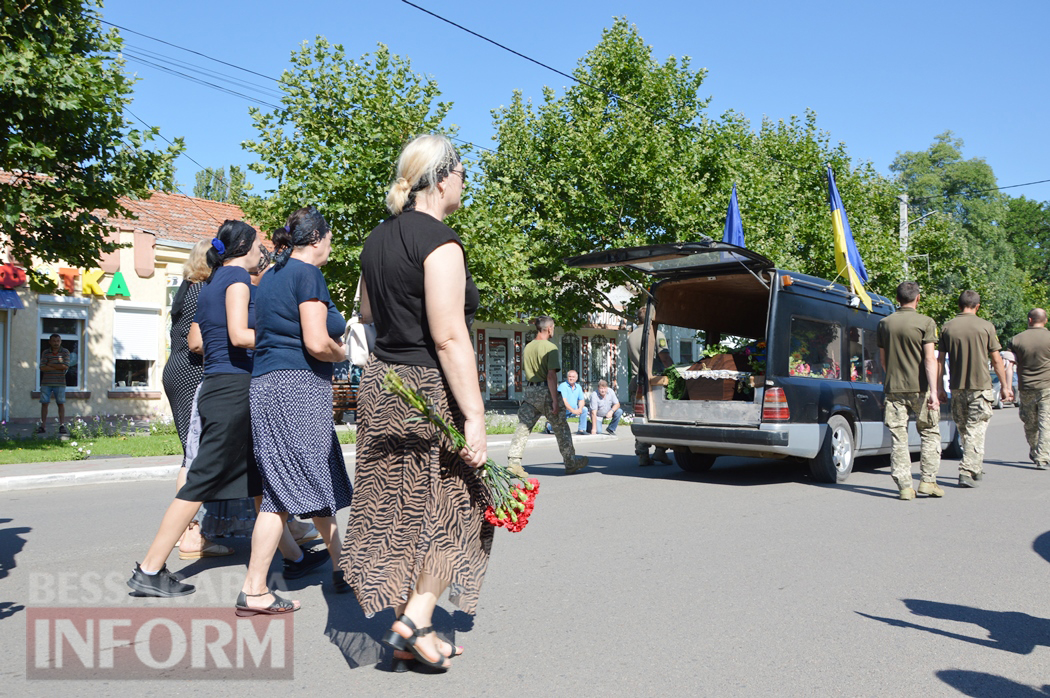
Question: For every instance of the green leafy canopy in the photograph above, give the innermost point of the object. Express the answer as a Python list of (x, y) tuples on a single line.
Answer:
[(63, 90)]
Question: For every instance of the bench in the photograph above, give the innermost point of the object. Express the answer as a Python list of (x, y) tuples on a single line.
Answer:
[(344, 399)]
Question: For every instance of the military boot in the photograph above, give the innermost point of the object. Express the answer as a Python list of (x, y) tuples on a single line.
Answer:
[(907, 493), (579, 463), (931, 488)]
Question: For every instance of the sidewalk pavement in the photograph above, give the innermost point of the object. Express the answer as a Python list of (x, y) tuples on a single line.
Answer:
[(96, 471)]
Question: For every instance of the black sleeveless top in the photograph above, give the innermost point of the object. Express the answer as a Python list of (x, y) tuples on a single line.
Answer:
[(392, 264)]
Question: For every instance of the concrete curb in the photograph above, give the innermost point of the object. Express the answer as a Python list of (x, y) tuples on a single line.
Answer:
[(91, 477), (13, 483)]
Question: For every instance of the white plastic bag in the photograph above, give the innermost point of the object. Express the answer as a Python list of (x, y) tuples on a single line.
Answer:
[(358, 340)]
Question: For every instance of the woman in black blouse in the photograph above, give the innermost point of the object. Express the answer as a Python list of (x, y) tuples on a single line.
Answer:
[(417, 525)]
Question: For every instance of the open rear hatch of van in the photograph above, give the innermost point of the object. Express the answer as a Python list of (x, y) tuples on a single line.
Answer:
[(714, 292)]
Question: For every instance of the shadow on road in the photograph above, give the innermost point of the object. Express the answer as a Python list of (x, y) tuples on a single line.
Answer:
[(1009, 631), (358, 637), (1011, 464), (12, 541), (727, 470), (980, 685), (1041, 546)]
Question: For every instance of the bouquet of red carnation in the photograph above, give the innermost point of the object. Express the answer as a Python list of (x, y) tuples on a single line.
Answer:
[(513, 492)]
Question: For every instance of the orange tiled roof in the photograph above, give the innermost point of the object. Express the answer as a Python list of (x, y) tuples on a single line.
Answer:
[(168, 216), (179, 217)]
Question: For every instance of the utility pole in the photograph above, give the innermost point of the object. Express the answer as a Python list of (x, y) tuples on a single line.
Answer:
[(903, 210)]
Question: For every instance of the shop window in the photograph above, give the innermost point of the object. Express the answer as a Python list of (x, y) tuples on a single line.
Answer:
[(570, 353), (136, 335), (816, 349), (864, 356), (65, 317)]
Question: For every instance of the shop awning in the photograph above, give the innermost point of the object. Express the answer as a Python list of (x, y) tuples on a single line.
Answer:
[(10, 299)]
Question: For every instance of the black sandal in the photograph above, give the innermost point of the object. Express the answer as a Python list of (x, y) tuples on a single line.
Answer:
[(398, 642), (278, 606)]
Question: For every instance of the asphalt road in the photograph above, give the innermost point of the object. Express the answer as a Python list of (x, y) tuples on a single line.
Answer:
[(749, 581)]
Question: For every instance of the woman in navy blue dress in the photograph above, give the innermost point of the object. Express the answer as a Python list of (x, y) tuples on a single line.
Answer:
[(225, 464), (298, 338)]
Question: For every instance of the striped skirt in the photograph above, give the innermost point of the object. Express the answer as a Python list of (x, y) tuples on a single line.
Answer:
[(295, 444), (418, 508)]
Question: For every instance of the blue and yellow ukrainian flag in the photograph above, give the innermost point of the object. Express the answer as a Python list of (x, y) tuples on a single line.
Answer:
[(847, 258)]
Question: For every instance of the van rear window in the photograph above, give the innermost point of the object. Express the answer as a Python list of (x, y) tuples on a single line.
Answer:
[(815, 350)]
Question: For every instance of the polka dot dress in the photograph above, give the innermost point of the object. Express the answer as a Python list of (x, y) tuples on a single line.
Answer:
[(295, 444), (184, 369)]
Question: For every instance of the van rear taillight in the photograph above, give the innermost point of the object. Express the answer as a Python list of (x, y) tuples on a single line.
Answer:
[(639, 407), (775, 406)]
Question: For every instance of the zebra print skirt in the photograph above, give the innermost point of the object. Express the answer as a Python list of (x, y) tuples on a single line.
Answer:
[(418, 508)]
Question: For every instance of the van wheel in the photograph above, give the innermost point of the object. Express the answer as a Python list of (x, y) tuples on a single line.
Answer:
[(954, 450), (834, 462), (693, 462)]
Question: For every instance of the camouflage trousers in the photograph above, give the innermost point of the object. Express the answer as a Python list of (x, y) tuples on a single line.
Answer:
[(971, 410), (895, 415), (537, 403), (1035, 413)]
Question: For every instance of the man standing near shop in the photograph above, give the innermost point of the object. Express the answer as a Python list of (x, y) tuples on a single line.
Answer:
[(1031, 350), (969, 341), (906, 342), (661, 361), (54, 363), (541, 362)]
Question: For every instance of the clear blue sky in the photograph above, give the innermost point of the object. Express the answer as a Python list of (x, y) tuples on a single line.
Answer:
[(882, 77)]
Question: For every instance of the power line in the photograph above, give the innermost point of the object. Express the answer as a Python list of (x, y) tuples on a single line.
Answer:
[(154, 55), (975, 191), (608, 93), (612, 95), (238, 67), (199, 81), (188, 50), (193, 200)]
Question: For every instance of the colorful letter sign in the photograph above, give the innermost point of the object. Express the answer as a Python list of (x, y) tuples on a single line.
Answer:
[(90, 285)]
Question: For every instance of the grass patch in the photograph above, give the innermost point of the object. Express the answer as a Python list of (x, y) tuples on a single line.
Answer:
[(160, 440), (34, 450)]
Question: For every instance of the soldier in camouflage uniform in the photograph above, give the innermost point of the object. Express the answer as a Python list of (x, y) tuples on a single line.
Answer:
[(541, 363), (1032, 351), (906, 340), (969, 341)]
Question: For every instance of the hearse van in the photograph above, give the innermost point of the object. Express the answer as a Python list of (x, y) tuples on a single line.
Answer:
[(805, 381)]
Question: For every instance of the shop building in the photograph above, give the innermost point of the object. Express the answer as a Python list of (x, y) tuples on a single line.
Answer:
[(112, 318), (596, 351)]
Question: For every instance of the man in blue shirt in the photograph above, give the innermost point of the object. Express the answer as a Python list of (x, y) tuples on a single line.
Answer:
[(572, 395), (575, 403)]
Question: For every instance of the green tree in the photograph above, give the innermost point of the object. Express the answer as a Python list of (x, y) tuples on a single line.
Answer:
[(210, 184), (335, 141), (638, 162), (781, 178), (587, 171), (940, 180), (62, 93), (1027, 226), (239, 186), (215, 185)]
